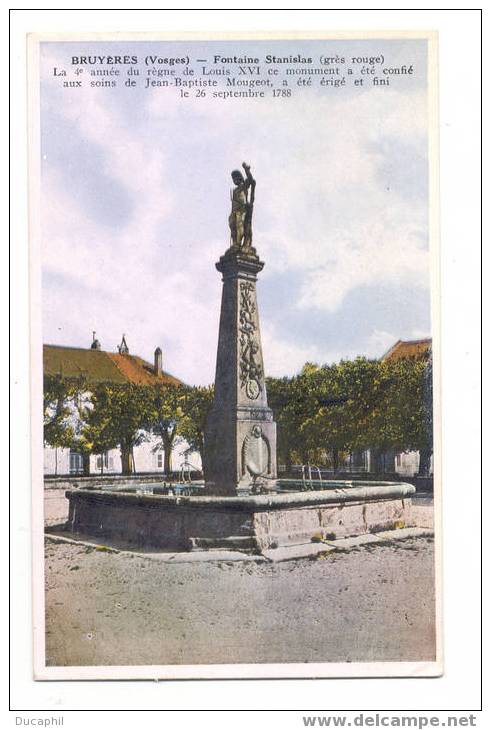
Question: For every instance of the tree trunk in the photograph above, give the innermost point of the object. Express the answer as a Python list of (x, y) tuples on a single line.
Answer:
[(167, 461), (167, 441), (125, 460), (335, 460), (376, 461)]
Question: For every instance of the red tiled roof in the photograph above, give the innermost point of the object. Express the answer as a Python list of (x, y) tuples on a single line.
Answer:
[(408, 348), (138, 371), (101, 367)]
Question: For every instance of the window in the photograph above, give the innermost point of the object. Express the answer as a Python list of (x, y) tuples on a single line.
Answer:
[(99, 461), (159, 461), (76, 462)]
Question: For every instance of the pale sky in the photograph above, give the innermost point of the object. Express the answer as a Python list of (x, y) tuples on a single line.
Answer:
[(135, 202)]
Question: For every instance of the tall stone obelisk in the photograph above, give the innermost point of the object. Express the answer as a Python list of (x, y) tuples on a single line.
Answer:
[(240, 435)]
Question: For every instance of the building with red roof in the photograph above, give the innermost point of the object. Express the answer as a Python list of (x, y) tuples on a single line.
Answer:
[(98, 366), (405, 349)]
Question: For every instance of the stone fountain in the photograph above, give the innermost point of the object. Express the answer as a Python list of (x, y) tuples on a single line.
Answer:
[(243, 506)]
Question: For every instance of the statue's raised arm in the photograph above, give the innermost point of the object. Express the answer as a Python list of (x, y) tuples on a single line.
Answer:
[(249, 181)]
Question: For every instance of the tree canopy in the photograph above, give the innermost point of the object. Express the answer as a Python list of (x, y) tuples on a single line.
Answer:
[(196, 405), (322, 414), (60, 410), (330, 410), (119, 416), (166, 415)]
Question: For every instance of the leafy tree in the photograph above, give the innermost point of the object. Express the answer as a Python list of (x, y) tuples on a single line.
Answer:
[(196, 405), (402, 425), (386, 405), (80, 444), (279, 395), (94, 437), (60, 396), (293, 401), (426, 448), (327, 424), (166, 416), (120, 416), (338, 408), (352, 405)]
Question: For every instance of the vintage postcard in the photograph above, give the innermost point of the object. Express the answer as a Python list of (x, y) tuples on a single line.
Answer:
[(235, 355)]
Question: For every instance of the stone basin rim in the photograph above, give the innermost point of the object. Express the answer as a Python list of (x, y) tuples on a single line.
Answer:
[(382, 491)]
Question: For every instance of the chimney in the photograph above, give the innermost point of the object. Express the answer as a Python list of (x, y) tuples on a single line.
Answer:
[(96, 345), (157, 361)]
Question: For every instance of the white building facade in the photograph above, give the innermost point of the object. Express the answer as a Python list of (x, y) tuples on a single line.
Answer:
[(98, 366), (148, 458)]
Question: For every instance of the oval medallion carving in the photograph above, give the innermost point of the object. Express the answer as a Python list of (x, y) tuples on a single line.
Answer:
[(256, 453)]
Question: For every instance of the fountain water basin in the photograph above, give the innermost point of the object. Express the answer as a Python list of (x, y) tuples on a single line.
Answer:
[(251, 523)]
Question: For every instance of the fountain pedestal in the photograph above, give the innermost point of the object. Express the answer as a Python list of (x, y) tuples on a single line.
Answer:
[(240, 436)]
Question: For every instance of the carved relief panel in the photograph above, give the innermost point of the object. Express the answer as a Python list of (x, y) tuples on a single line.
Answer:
[(250, 367)]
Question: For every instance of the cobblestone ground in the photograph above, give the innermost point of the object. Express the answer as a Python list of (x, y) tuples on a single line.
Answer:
[(368, 604)]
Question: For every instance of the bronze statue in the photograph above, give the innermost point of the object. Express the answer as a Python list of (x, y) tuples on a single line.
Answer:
[(240, 219)]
